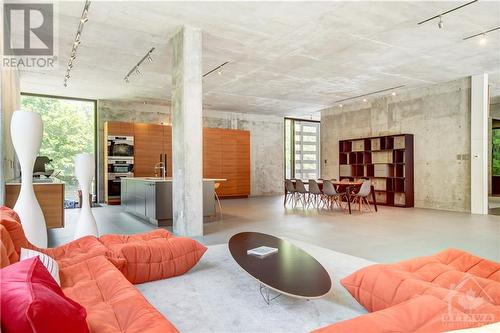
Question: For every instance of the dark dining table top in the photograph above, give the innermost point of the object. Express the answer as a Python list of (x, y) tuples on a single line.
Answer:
[(290, 271)]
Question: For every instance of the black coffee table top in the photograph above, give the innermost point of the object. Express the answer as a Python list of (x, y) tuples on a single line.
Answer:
[(291, 271)]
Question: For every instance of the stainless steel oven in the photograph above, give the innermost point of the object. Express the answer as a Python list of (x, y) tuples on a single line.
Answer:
[(120, 146), (114, 183), (116, 165)]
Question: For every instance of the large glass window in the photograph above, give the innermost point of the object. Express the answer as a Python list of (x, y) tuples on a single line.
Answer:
[(302, 149), (68, 129)]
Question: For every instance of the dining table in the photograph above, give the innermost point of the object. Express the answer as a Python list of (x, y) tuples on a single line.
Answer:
[(351, 186)]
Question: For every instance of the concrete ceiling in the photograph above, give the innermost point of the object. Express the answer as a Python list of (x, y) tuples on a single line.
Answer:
[(285, 58)]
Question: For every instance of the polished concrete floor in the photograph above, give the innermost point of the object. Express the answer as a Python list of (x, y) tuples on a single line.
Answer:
[(390, 235)]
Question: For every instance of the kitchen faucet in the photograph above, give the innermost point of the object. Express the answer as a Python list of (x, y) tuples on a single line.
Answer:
[(160, 165)]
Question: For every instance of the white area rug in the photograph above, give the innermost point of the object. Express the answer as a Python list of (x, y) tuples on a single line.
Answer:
[(219, 296)]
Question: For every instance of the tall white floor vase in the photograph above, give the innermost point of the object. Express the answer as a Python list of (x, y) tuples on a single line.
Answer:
[(26, 130), (84, 171)]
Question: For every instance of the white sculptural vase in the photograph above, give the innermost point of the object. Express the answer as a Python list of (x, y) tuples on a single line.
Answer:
[(84, 171), (26, 130)]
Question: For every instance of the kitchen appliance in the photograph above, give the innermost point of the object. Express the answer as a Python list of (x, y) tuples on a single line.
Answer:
[(120, 165), (114, 184), (120, 147)]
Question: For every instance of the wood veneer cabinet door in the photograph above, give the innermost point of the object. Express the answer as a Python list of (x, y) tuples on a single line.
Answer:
[(148, 146), (120, 128), (212, 154), (235, 163), (243, 166)]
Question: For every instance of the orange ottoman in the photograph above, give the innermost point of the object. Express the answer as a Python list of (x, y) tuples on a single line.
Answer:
[(423, 313), (380, 286), (154, 255)]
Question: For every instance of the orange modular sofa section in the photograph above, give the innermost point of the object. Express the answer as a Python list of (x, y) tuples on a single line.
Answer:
[(155, 255), (113, 304), (447, 291), (96, 272)]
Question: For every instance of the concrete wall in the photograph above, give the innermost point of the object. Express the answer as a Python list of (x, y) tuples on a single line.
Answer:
[(266, 137), (439, 118)]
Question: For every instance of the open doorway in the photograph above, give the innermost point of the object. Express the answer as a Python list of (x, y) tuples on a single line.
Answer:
[(494, 197), (68, 129)]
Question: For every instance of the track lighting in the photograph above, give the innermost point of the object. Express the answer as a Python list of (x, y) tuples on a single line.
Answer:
[(83, 19), (393, 93), (387, 90), (364, 100), (135, 69), (341, 105), (440, 24), (483, 40), (440, 16), (217, 69)]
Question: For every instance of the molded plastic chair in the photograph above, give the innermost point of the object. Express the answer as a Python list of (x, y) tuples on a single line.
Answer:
[(301, 192), (330, 195), (362, 195), (314, 193), (289, 192)]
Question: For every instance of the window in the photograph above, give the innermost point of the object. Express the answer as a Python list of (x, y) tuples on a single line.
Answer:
[(68, 129), (302, 150)]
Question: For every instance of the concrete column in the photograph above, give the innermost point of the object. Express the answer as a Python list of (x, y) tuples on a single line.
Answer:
[(187, 131), (479, 144)]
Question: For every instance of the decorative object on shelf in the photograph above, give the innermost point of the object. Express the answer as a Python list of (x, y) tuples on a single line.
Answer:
[(26, 130), (84, 172)]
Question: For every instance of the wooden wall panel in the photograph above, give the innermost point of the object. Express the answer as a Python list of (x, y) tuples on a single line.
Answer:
[(226, 153)]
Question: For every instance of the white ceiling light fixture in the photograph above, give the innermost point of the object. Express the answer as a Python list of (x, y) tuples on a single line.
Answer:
[(77, 42), (341, 105), (440, 24), (440, 16), (483, 40), (135, 69), (369, 94), (393, 93), (365, 100)]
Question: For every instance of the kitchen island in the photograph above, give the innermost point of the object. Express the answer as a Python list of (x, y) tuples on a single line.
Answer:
[(150, 198)]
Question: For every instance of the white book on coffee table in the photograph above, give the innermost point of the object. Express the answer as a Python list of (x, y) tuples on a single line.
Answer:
[(262, 251)]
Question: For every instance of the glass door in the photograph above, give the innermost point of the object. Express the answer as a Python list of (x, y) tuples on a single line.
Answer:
[(302, 149)]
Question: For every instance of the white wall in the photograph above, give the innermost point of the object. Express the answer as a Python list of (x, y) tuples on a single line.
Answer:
[(266, 136)]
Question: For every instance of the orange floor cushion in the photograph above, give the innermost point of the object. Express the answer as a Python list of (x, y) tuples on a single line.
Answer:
[(380, 286), (424, 313), (113, 304), (155, 255)]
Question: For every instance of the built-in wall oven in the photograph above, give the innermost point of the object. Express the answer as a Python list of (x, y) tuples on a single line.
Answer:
[(120, 164), (120, 146)]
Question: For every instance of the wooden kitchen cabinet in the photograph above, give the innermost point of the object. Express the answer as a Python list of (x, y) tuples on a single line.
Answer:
[(50, 196), (226, 153)]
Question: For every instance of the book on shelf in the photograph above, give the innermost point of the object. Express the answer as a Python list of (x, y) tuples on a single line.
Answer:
[(262, 251)]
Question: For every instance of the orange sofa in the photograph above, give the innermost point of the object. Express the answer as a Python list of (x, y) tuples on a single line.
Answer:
[(447, 291), (96, 272)]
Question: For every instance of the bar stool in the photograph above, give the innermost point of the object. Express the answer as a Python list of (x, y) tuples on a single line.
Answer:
[(216, 187)]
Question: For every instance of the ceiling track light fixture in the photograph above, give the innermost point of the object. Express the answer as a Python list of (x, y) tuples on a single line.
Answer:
[(218, 69), (440, 16), (83, 19), (135, 69), (483, 40), (369, 94)]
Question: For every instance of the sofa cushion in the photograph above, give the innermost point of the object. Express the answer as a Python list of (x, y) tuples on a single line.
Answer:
[(423, 313), (33, 302), (380, 286), (155, 255), (11, 222), (8, 254), (113, 304)]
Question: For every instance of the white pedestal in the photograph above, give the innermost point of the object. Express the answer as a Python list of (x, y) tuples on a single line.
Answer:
[(26, 130), (84, 171)]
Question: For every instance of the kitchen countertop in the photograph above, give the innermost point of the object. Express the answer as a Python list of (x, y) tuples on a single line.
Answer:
[(169, 179), (47, 181)]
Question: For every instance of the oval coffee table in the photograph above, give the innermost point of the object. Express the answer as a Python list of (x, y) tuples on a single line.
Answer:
[(291, 271)]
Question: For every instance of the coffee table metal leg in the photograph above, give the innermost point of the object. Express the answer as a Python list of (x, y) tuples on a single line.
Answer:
[(265, 294)]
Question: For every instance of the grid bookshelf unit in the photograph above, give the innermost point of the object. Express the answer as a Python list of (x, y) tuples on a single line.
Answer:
[(386, 160)]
